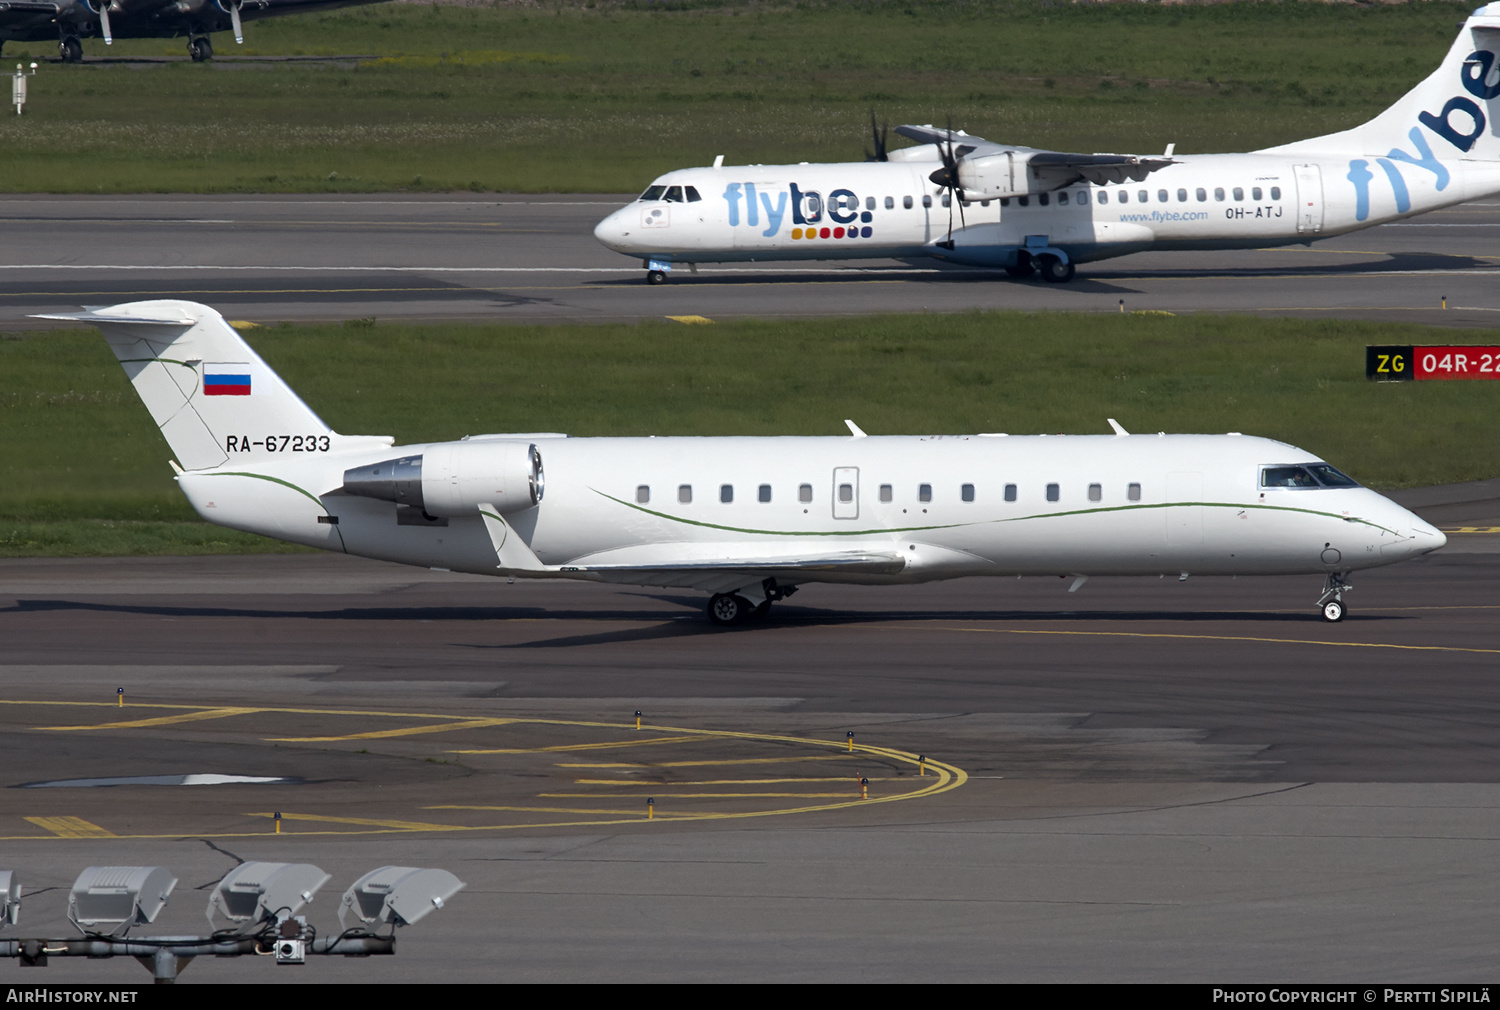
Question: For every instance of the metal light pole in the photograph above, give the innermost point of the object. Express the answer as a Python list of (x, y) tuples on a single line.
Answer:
[(18, 86)]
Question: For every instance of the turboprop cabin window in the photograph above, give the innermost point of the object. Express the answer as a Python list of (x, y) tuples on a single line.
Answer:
[(653, 192), (1104, 196), (1275, 192), (926, 201), (642, 494), (1054, 492), (726, 493), (890, 202), (924, 492), (1041, 198), (1133, 492), (1181, 196), (1083, 197), (1219, 194), (765, 492), (685, 494), (966, 492), (1062, 199), (906, 202), (1239, 194), (1255, 193), (804, 493), (1142, 196), (1096, 492), (1202, 195)]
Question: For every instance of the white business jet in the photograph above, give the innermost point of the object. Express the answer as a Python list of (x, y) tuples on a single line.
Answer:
[(1026, 211), (747, 520)]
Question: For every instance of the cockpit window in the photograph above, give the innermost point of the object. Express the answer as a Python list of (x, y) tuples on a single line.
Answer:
[(1308, 475), (653, 192), (674, 194), (692, 194), (1329, 477)]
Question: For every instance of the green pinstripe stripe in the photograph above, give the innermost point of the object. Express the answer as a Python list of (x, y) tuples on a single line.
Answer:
[(284, 483), (165, 361)]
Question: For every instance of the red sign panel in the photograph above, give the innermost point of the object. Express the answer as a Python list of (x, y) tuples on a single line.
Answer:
[(1458, 362)]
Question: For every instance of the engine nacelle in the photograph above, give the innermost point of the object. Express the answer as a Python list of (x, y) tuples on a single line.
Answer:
[(1008, 174), (455, 478)]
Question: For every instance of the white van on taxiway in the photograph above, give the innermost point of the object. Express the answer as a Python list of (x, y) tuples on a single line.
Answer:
[(1026, 210), (746, 520)]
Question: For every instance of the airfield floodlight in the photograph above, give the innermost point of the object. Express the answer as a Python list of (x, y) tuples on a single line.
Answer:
[(398, 894), (114, 898), (10, 897), (255, 892)]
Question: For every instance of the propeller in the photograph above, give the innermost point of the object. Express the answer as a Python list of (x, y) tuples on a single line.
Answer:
[(109, 35), (947, 177), (232, 8), (879, 136)]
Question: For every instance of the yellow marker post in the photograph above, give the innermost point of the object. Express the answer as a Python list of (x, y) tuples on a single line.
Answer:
[(851, 741), (1122, 305), (650, 808), (120, 693), (864, 788), (1445, 301), (278, 822), (637, 718), (922, 765)]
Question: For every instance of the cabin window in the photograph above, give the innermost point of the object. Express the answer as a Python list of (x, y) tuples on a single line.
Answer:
[(1219, 194), (692, 194), (814, 206), (1010, 492), (685, 494), (1062, 199), (870, 202), (1142, 196), (1182, 196), (764, 494), (653, 192), (674, 194), (1096, 492), (947, 200), (924, 492), (846, 493), (1255, 193), (887, 493), (1104, 196), (642, 493), (890, 202), (1202, 195), (1239, 194), (1133, 492), (1024, 201), (1275, 192), (926, 202), (1083, 197), (966, 492), (1124, 195), (1161, 196), (804, 493), (1054, 492), (726, 493), (1042, 199)]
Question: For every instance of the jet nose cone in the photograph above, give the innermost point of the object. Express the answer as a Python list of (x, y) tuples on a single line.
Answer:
[(1428, 537)]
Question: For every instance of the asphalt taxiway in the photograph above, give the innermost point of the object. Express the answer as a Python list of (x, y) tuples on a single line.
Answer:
[(1146, 780), (534, 259)]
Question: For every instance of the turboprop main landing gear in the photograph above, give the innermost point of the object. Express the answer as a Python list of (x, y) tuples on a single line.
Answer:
[(1056, 271), (1331, 603), (1023, 267), (199, 48)]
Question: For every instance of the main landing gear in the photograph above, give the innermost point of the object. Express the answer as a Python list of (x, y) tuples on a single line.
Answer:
[(737, 607), (1052, 268), (199, 48), (1331, 603)]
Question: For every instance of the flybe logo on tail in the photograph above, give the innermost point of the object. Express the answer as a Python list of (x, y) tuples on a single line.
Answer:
[(766, 207), (1462, 132)]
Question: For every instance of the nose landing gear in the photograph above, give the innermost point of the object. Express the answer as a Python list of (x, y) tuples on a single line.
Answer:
[(199, 48), (1331, 603)]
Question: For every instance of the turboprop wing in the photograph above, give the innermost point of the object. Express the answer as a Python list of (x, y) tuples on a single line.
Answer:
[(983, 170)]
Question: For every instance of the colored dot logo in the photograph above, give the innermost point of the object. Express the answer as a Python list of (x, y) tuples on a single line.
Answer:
[(799, 233)]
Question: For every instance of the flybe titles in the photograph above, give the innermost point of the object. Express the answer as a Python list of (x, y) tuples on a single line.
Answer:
[(757, 206), (1473, 74)]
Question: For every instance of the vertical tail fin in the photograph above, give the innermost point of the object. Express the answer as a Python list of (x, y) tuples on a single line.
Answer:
[(1450, 116), (211, 395)]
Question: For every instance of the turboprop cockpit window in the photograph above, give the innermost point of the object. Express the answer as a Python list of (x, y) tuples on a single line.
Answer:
[(653, 192), (674, 194), (692, 194)]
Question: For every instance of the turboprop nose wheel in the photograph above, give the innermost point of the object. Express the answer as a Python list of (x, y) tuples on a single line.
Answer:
[(656, 277)]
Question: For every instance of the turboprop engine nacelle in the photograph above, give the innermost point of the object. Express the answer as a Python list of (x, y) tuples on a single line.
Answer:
[(1007, 174), (455, 478), (1019, 173)]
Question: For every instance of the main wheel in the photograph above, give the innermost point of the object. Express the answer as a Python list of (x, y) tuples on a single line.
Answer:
[(70, 50), (200, 49), (725, 609), (1333, 611), (656, 277), (1055, 271)]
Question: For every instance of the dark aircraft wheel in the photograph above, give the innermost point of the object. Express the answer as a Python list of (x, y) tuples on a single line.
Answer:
[(656, 277), (1055, 271), (1024, 267), (200, 49), (725, 609), (1333, 611), (70, 50)]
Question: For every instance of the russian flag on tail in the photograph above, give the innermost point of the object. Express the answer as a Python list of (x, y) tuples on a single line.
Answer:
[(231, 379)]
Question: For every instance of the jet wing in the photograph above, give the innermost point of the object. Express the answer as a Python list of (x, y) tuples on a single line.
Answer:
[(729, 573)]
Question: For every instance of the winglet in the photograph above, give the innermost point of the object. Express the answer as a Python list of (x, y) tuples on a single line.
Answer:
[(1170, 148), (855, 429), (1116, 425), (512, 553)]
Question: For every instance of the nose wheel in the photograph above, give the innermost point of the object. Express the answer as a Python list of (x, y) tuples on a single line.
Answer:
[(1331, 603), (200, 49), (656, 277)]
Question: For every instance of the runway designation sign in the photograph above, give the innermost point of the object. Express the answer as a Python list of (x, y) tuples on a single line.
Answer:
[(1406, 364)]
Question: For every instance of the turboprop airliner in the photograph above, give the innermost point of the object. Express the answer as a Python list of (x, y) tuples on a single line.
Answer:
[(746, 520), (1030, 211)]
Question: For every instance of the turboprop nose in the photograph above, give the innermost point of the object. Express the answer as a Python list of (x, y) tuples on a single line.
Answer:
[(613, 232)]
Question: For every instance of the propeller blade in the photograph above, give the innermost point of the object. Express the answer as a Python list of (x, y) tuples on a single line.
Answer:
[(234, 19), (109, 36), (879, 135)]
